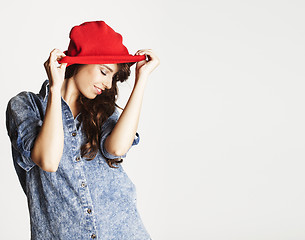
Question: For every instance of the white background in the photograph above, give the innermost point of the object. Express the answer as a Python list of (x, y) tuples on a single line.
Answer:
[(222, 127)]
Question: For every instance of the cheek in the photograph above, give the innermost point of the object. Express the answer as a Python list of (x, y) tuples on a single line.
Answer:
[(86, 78), (84, 84)]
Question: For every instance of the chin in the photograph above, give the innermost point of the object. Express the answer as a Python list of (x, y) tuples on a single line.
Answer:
[(89, 94), (92, 96)]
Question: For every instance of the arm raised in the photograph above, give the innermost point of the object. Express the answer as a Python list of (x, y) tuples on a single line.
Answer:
[(123, 134), (49, 144)]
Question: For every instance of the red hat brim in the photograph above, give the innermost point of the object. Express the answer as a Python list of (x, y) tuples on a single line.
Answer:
[(102, 59)]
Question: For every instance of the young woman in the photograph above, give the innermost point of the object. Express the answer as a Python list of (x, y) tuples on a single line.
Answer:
[(69, 140)]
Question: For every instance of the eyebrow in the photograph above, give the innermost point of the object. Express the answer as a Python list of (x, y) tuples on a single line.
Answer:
[(107, 67)]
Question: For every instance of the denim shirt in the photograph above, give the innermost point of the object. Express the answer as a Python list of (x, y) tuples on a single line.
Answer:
[(82, 199)]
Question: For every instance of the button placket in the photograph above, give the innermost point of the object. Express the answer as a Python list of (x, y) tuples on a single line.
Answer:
[(75, 138)]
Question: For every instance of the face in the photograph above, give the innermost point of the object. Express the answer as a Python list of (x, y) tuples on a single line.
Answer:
[(93, 79)]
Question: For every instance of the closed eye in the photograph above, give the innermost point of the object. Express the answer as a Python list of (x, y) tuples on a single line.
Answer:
[(103, 73)]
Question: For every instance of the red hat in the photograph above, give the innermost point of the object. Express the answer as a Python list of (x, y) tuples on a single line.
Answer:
[(97, 43)]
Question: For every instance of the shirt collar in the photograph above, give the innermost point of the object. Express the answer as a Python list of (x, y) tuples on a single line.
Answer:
[(44, 91)]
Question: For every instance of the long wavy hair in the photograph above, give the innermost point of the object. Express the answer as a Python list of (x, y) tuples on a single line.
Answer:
[(94, 112)]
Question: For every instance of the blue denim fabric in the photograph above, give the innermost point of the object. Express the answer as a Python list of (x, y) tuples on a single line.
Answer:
[(82, 199)]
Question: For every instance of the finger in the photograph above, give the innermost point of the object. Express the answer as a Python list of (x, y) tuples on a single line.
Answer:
[(148, 54), (145, 50), (63, 65), (56, 54), (60, 56), (54, 51), (55, 57)]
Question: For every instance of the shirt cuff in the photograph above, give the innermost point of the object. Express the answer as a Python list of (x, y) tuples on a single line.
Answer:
[(111, 156)]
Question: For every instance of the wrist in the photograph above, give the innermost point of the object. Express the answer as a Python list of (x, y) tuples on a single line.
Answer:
[(141, 77), (55, 90), (141, 81)]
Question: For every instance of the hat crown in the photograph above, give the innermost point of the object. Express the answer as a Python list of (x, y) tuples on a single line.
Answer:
[(95, 38), (96, 43)]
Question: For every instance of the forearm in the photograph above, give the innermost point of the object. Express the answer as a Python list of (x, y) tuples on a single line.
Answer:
[(123, 134), (48, 146)]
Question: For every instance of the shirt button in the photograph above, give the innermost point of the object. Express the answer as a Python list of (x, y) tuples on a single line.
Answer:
[(74, 134), (89, 210), (77, 159), (93, 236), (84, 185)]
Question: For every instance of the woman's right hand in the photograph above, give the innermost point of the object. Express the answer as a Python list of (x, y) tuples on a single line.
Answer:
[(55, 74)]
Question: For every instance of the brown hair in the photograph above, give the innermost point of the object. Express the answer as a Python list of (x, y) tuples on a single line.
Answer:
[(94, 112)]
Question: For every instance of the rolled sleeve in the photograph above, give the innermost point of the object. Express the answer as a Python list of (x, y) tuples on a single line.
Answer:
[(23, 126), (106, 131)]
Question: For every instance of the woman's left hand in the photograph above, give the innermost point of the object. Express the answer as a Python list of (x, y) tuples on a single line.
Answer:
[(145, 67)]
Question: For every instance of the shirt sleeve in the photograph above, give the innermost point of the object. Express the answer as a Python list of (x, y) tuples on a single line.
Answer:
[(107, 128), (23, 126)]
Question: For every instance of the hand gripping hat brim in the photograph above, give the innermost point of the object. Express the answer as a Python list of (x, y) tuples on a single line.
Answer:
[(97, 43)]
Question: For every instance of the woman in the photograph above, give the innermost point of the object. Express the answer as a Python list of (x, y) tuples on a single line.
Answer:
[(68, 141)]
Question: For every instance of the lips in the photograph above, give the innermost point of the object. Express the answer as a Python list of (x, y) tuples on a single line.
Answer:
[(98, 90)]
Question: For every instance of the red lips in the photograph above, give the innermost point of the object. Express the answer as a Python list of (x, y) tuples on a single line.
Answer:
[(98, 90)]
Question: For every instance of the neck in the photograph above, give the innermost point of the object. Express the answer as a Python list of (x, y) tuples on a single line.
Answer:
[(69, 91)]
